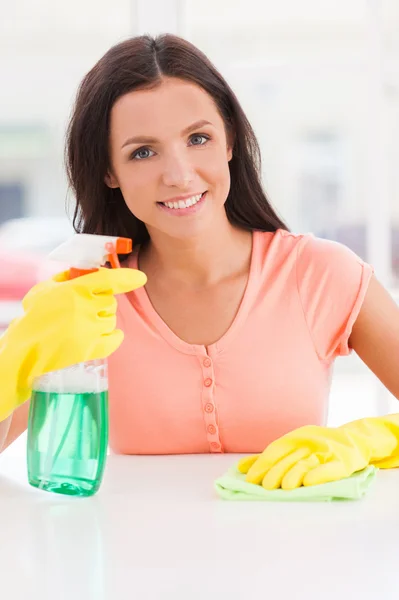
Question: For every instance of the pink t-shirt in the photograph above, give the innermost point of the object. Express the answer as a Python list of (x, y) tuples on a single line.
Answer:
[(270, 372)]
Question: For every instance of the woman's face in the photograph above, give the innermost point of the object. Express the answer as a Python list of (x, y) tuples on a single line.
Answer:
[(169, 156)]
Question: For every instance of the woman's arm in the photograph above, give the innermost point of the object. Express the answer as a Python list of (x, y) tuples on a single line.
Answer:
[(14, 426), (375, 335)]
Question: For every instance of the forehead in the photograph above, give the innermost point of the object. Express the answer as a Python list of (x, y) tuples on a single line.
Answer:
[(174, 104)]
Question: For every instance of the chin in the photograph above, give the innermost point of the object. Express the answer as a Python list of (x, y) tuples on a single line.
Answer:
[(187, 232)]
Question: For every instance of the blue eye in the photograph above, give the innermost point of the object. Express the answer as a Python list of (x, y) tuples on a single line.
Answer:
[(142, 153), (198, 139)]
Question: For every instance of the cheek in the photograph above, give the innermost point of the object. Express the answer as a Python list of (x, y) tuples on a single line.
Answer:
[(216, 172), (138, 187), (137, 177)]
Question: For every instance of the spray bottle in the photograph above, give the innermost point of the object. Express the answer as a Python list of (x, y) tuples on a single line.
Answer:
[(68, 417)]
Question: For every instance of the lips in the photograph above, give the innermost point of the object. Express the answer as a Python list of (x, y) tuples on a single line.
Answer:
[(183, 203), (188, 206)]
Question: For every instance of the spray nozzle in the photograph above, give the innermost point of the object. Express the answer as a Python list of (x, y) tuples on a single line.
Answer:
[(86, 252), (120, 246)]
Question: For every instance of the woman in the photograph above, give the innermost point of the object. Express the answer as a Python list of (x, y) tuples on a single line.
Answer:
[(231, 343)]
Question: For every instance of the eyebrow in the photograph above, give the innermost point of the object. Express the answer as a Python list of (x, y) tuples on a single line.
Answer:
[(142, 139)]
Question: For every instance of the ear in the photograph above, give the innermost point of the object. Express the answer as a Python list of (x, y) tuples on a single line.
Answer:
[(110, 180), (230, 145)]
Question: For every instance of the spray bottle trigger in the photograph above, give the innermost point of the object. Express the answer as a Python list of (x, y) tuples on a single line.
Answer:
[(121, 246), (112, 255), (74, 272)]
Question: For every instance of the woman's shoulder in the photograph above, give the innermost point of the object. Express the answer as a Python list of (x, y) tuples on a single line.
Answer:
[(305, 249), (280, 241)]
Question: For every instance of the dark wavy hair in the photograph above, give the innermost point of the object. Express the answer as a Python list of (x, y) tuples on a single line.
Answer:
[(142, 62)]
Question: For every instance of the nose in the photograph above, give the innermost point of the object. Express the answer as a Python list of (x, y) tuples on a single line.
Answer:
[(178, 171)]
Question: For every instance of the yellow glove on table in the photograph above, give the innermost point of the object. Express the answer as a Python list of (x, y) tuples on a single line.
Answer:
[(313, 455), (65, 322)]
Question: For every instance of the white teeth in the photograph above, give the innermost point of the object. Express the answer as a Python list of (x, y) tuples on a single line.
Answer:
[(184, 203)]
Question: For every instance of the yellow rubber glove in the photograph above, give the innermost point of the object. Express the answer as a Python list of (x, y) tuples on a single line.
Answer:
[(312, 455), (65, 322)]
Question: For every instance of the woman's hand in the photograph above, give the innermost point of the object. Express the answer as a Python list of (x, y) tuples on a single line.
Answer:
[(65, 322), (313, 455)]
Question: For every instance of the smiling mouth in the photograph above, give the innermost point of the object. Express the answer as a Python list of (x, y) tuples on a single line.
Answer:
[(180, 204)]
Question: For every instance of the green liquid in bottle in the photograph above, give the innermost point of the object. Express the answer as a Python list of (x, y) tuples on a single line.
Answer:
[(67, 441)]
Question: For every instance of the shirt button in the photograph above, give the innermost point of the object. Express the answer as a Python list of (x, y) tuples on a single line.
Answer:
[(207, 362), (211, 429), (208, 408), (208, 382), (215, 446)]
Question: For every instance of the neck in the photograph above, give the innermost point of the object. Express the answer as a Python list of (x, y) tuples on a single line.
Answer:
[(199, 261)]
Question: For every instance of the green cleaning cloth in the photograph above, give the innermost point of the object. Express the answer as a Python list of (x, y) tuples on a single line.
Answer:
[(232, 486)]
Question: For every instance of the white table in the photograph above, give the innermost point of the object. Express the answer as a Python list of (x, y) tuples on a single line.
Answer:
[(157, 531)]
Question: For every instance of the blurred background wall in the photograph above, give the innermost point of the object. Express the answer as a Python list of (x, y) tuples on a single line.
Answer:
[(319, 80)]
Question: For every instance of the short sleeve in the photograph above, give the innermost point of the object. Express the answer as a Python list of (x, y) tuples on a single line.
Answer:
[(332, 284)]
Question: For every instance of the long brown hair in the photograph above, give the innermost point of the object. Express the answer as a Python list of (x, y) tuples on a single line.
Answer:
[(139, 63)]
